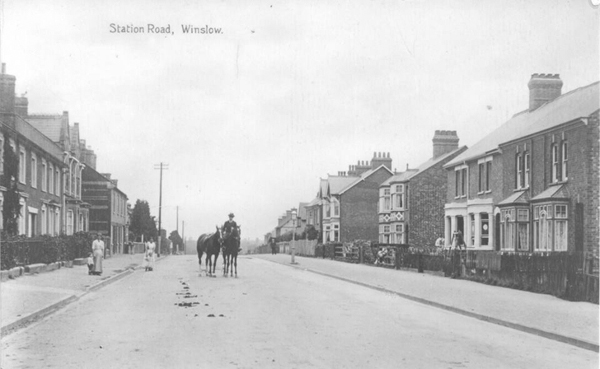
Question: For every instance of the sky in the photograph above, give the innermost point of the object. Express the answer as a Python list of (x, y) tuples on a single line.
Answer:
[(288, 92)]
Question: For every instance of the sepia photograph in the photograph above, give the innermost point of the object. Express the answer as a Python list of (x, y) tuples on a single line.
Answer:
[(299, 184)]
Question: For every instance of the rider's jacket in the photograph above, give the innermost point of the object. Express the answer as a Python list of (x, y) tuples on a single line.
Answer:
[(229, 226)]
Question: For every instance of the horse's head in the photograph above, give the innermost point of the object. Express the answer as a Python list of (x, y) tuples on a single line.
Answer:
[(218, 235)]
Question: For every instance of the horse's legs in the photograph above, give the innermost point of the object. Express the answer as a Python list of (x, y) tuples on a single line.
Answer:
[(235, 264)]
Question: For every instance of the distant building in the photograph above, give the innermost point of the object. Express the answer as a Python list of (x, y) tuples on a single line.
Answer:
[(109, 212), (411, 203), (532, 184)]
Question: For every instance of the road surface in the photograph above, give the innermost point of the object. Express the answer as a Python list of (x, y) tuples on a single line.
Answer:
[(272, 316)]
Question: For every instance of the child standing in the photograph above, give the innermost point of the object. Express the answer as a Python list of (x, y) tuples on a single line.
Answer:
[(90, 264)]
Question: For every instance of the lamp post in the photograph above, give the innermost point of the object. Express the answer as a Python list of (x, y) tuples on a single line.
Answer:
[(294, 217)]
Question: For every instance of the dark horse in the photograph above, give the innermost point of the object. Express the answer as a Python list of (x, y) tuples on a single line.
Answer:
[(209, 244), (231, 245)]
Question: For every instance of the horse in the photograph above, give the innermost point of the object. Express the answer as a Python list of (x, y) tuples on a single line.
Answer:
[(209, 244), (231, 245)]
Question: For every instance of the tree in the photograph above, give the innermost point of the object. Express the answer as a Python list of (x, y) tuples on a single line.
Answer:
[(11, 209), (176, 239), (142, 223), (311, 232)]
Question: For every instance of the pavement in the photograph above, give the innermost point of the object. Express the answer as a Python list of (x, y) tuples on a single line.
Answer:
[(31, 297), (574, 323)]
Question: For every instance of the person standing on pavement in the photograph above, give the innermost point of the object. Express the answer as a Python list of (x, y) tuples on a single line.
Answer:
[(273, 246), (98, 252), (149, 255)]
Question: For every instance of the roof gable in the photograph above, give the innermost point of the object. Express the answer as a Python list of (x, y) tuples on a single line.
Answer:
[(581, 102), (364, 176)]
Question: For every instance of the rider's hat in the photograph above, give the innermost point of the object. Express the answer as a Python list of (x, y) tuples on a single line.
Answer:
[(231, 215)]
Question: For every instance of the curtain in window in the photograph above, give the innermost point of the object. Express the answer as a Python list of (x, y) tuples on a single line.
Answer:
[(522, 236), (560, 235)]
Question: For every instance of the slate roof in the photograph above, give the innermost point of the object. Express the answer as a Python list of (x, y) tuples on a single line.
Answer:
[(552, 192), (405, 176), (519, 197), (55, 127), (339, 183), (581, 102), (363, 176), (315, 201)]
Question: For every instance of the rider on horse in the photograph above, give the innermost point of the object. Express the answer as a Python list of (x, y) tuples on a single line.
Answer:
[(229, 227)]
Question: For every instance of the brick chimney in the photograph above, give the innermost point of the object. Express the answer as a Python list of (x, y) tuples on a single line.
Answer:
[(444, 142), (358, 169), (21, 106), (543, 88), (381, 158), (7, 95)]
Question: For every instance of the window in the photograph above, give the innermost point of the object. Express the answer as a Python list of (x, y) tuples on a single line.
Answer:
[(555, 164), (336, 232), (550, 227), (527, 170), (56, 221), (326, 234), (44, 220), (565, 157), (22, 167), (519, 174), (69, 222), (398, 197), (22, 229), (33, 170), (488, 175), (481, 177), (386, 234), (336, 208), (399, 233), (44, 176), (472, 229), (384, 200), (50, 179), (57, 182), (51, 222), (326, 206), (522, 236), (507, 228), (460, 181)]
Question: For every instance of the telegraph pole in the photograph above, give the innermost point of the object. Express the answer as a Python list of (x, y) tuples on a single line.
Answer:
[(183, 235), (160, 166)]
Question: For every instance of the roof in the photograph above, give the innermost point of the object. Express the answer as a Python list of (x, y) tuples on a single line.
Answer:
[(55, 126), (302, 210), (400, 177), (519, 197), (364, 176), (581, 102), (41, 140), (339, 183), (405, 176), (552, 193), (315, 201)]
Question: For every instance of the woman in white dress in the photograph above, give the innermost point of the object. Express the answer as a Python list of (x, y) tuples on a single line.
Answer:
[(98, 252)]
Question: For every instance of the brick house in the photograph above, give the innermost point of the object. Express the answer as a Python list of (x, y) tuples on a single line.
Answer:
[(541, 193), (58, 129), (349, 200), (411, 203), (41, 167), (108, 213)]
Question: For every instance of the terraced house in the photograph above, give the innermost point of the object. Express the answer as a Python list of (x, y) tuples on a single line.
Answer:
[(41, 167), (532, 184)]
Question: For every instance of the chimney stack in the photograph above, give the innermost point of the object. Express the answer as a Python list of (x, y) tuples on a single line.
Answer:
[(21, 106), (381, 158), (543, 88), (444, 142), (7, 94)]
